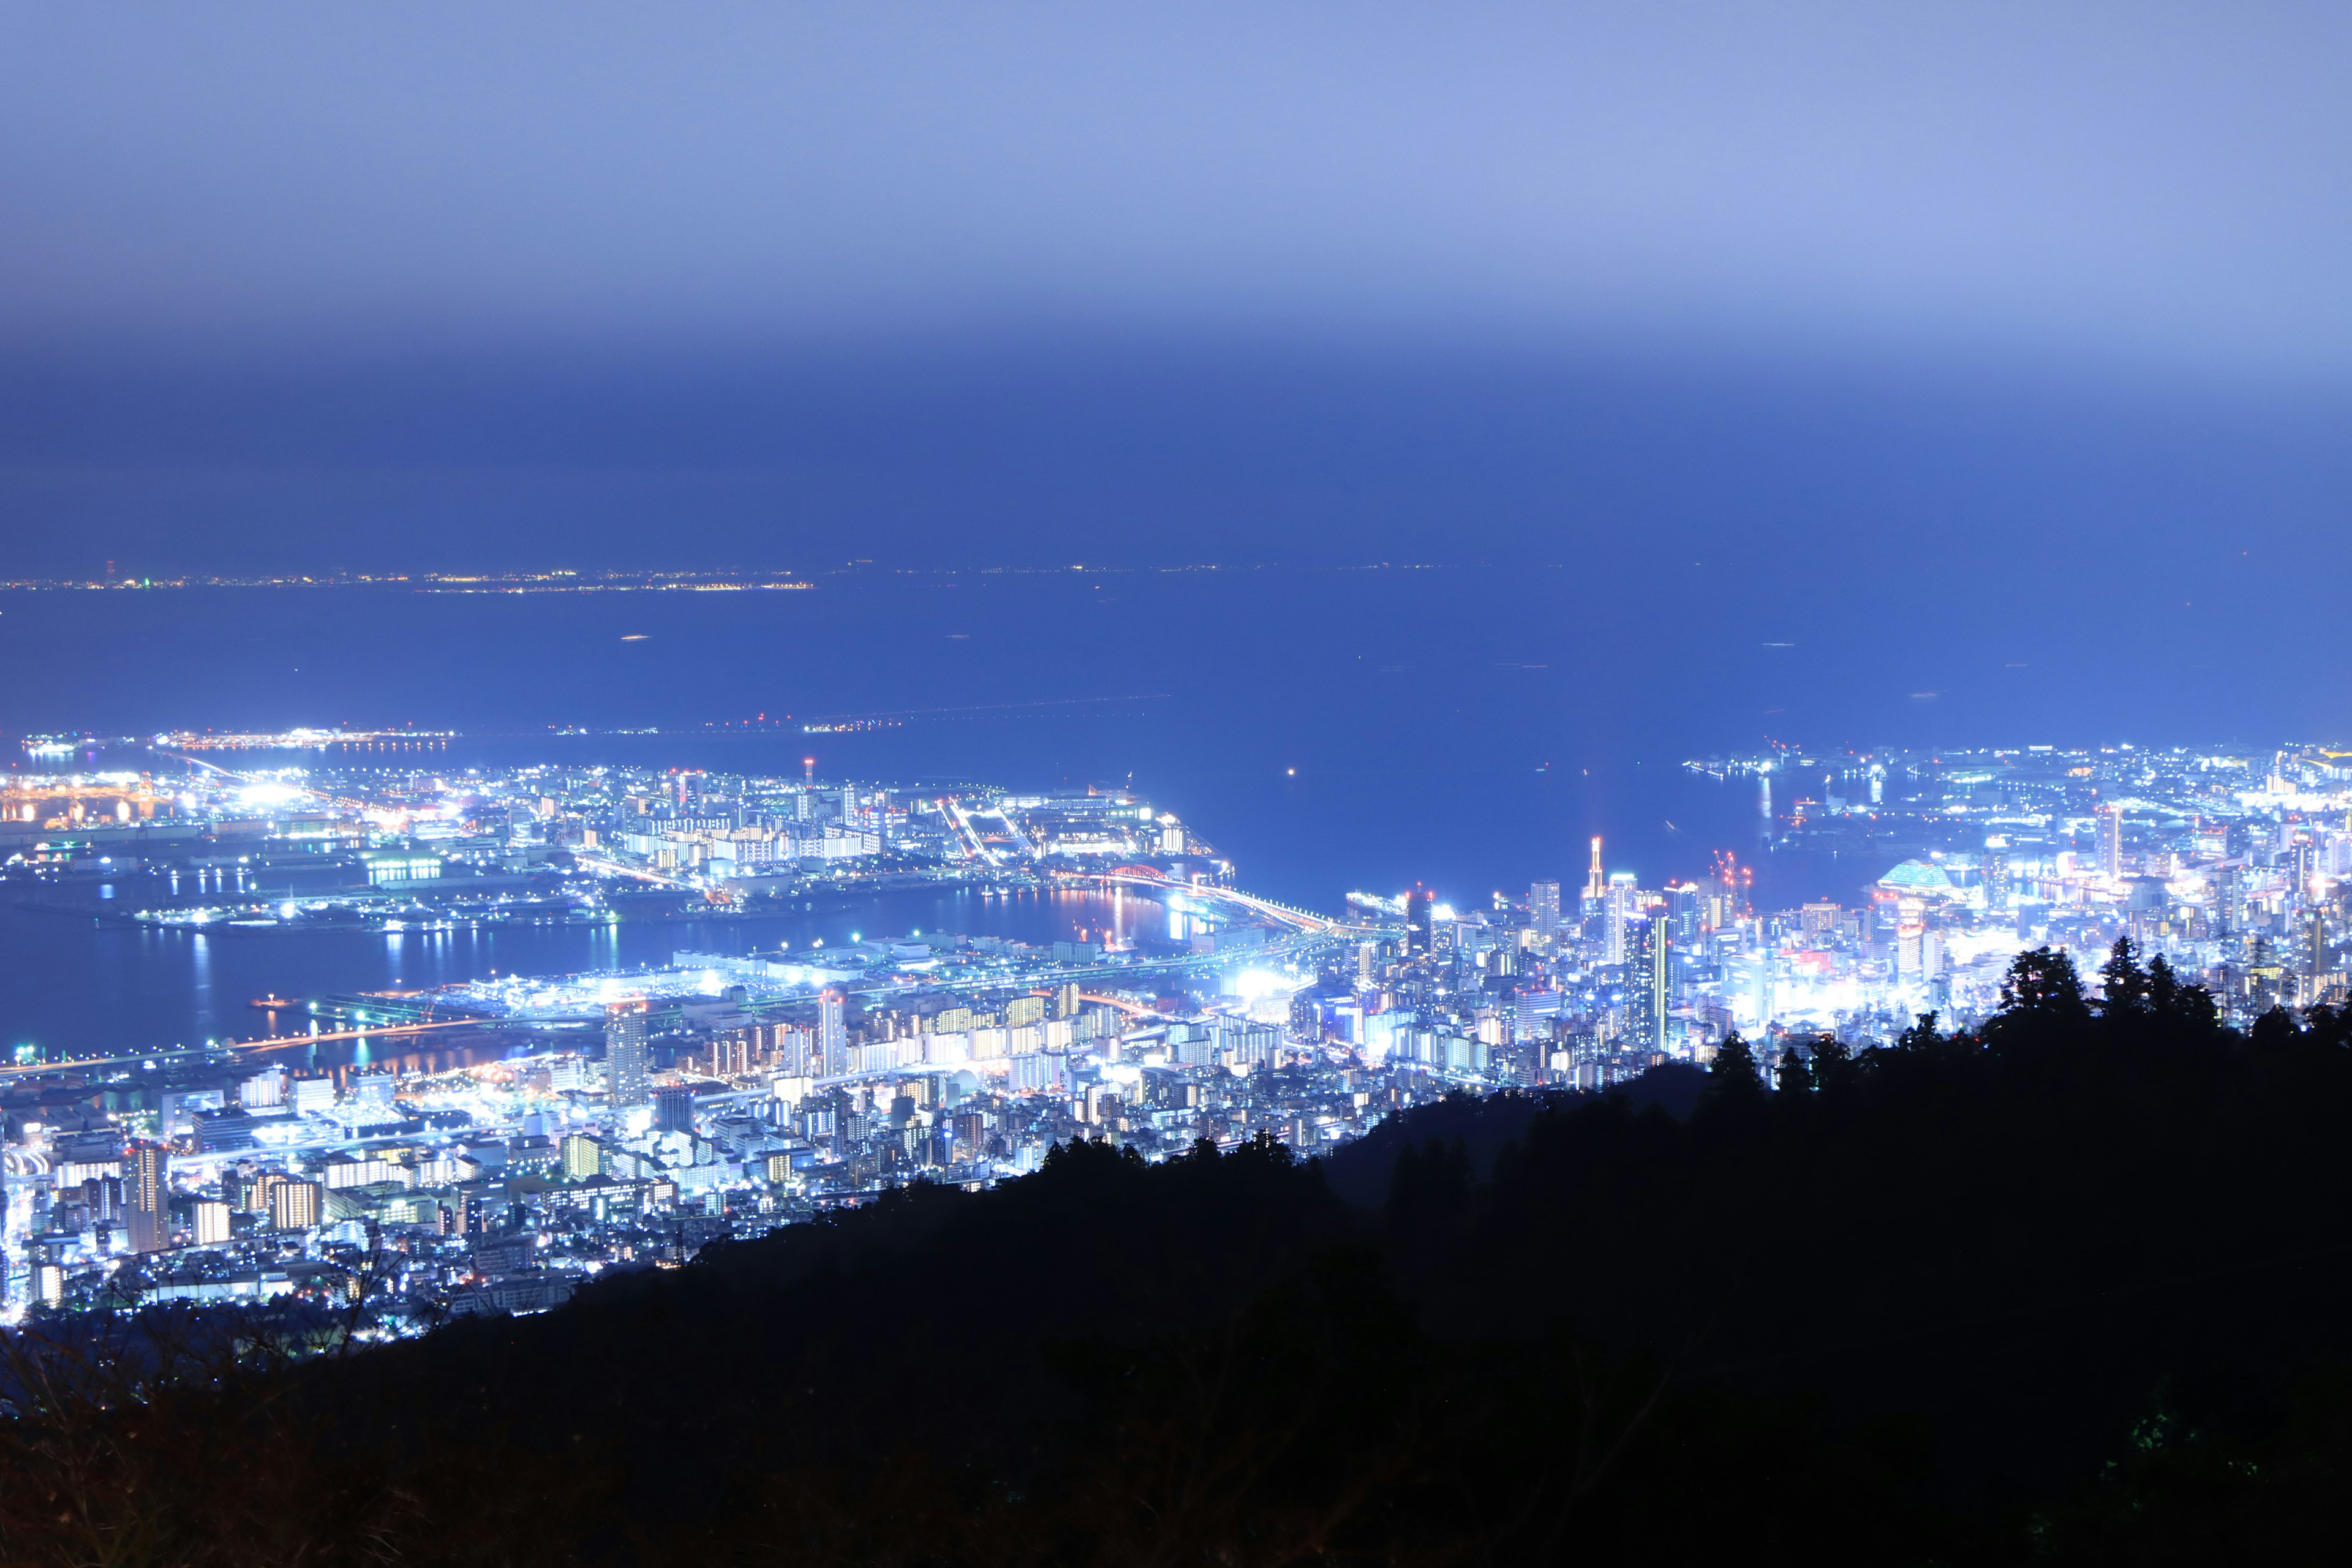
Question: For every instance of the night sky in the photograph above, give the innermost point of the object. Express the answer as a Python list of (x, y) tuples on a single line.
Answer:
[(1993, 314)]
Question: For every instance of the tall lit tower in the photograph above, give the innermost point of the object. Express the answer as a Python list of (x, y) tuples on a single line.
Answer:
[(1648, 992), (2226, 887), (146, 1199), (832, 1031), (627, 1075), (1543, 906), (1996, 872), (2111, 841), (1596, 881), (1617, 903)]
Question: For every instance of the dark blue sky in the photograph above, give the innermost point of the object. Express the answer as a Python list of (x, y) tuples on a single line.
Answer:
[(2039, 309)]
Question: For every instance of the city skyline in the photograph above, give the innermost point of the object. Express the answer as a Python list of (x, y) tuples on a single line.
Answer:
[(757, 1086), (1280, 783)]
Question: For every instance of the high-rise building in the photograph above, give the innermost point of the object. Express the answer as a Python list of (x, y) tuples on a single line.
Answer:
[(1617, 907), (1996, 877), (582, 1157), (1596, 881), (627, 1070), (212, 1222), (2225, 889), (295, 1205), (1686, 906), (1418, 921), (2111, 841), (673, 1110), (1543, 907), (265, 1090), (146, 1199), (1648, 975), (832, 1031)]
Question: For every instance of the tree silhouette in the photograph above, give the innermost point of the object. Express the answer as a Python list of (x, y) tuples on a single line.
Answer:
[(1831, 1062), (1920, 1035), (2043, 984), (2329, 1026), (2275, 1030), (1734, 1077), (2126, 986), (1431, 1181)]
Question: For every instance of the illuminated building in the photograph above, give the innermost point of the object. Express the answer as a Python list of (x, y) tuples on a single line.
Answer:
[(295, 1205), (1543, 907), (2226, 888), (583, 1157), (146, 1199), (1648, 976), (832, 1031), (627, 1069), (1617, 907), (1596, 880), (1686, 911), (975, 1055)]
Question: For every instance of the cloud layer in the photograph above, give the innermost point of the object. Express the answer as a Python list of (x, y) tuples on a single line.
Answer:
[(2101, 179)]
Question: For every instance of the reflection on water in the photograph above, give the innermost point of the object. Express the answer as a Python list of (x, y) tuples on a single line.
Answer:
[(73, 986), (203, 1020)]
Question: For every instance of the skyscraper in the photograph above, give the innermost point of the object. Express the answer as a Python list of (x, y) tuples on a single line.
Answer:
[(1687, 910), (1418, 921), (1996, 876), (1617, 908), (146, 1199), (1648, 975), (673, 1110), (1596, 881), (581, 1157), (1543, 905), (2111, 840), (2225, 888), (626, 1068), (832, 1031)]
